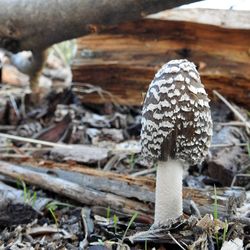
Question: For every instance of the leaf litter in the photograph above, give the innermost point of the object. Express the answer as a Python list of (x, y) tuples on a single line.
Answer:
[(105, 138)]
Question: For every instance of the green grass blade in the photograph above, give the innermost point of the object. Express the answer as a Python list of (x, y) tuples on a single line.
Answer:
[(216, 214), (129, 225)]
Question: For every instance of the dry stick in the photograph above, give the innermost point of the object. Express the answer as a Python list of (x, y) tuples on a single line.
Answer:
[(14, 105), (233, 123), (196, 209), (144, 172), (89, 195), (30, 140), (15, 156), (172, 237), (84, 243), (234, 110), (72, 190), (52, 144), (107, 182), (89, 89), (7, 127), (3, 148), (229, 145)]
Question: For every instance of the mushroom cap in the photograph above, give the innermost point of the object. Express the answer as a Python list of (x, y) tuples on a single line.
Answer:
[(176, 117)]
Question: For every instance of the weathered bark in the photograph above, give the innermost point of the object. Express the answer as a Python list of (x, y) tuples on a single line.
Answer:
[(35, 25), (223, 18), (93, 190), (84, 195), (104, 181), (124, 59)]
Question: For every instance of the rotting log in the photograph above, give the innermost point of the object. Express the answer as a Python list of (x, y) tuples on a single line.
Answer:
[(74, 191), (93, 189), (123, 59)]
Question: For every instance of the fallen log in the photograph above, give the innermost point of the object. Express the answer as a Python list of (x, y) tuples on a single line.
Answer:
[(94, 190), (72, 190), (124, 59)]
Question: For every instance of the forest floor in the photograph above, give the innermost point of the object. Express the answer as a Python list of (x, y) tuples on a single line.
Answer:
[(77, 180)]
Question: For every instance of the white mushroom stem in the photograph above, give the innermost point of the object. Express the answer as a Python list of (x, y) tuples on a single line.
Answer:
[(168, 195)]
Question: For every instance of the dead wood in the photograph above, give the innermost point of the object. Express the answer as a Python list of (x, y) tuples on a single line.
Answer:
[(145, 182), (38, 24), (80, 153), (103, 181), (232, 19), (34, 26), (104, 191), (124, 59), (72, 190)]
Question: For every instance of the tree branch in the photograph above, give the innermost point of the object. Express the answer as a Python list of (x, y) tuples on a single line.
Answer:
[(36, 25)]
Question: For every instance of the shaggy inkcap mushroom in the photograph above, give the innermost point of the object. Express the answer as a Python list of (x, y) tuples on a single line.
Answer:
[(176, 132)]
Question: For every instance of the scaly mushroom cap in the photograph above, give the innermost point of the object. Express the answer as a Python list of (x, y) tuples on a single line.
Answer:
[(176, 117)]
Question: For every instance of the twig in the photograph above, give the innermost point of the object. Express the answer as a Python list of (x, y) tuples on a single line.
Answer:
[(14, 156), (195, 208), (234, 110), (233, 123), (30, 140), (3, 148), (14, 105), (88, 88), (72, 190), (114, 161), (84, 242), (172, 237), (229, 145), (7, 127), (144, 172)]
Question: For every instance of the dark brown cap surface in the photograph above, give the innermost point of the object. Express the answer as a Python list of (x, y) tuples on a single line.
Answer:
[(176, 117)]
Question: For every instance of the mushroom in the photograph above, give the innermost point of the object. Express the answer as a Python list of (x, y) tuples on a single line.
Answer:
[(176, 132)]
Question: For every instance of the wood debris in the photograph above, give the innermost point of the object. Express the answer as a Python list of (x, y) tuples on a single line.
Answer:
[(123, 59), (71, 175)]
